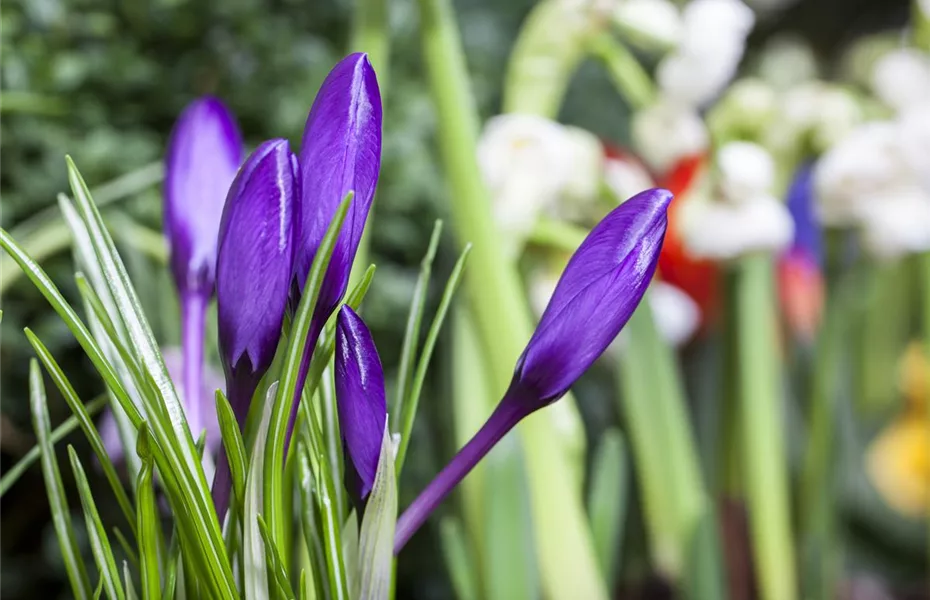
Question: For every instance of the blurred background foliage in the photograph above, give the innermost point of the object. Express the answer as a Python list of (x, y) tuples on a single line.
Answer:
[(103, 80)]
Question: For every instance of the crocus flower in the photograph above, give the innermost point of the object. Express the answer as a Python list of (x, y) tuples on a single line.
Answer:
[(600, 288), (340, 153), (253, 277), (204, 153), (800, 279), (360, 402)]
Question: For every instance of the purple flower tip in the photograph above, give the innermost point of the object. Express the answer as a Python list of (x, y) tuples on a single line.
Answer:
[(360, 400), (255, 259), (807, 231), (340, 153), (595, 297), (204, 152)]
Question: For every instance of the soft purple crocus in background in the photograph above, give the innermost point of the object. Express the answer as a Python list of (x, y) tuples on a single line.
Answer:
[(211, 381), (600, 288), (340, 153), (204, 153), (360, 402), (253, 278)]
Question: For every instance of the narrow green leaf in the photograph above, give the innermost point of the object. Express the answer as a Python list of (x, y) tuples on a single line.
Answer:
[(350, 550), (413, 400), (127, 579), (310, 517), (255, 572), (126, 547), (87, 426), (414, 318), (35, 453), (328, 511), (462, 571), (99, 544), (376, 537), (61, 517), (233, 445), (276, 570), (172, 562), (607, 501), (274, 453), (148, 522), (189, 492), (332, 438)]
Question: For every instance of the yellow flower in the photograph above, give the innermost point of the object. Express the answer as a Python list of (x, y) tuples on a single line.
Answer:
[(898, 463)]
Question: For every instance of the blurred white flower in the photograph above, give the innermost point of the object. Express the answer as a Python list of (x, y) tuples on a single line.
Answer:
[(649, 22), (677, 316), (787, 61), (819, 113), (529, 163), (746, 171), (541, 287), (711, 45), (861, 166), (626, 177), (896, 222), (901, 78), (914, 128), (720, 230), (666, 132)]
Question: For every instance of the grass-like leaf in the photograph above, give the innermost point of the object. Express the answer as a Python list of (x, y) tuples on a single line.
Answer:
[(277, 573), (35, 453), (127, 579), (413, 399), (87, 426), (412, 330), (99, 544), (61, 517), (172, 565), (607, 501), (274, 452), (185, 482), (462, 571), (233, 445), (309, 518), (376, 536), (255, 572), (148, 532)]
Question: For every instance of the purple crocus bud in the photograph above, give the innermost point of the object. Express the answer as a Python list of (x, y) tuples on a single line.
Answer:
[(360, 401), (253, 277), (600, 288), (204, 152), (340, 153)]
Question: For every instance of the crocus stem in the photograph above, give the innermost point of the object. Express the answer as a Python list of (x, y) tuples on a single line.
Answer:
[(762, 428), (503, 419), (193, 312), (627, 75)]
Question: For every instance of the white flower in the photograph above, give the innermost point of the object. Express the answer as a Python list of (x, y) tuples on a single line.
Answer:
[(626, 177), (896, 222), (677, 316), (746, 169), (914, 141), (712, 42), (901, 78), (655, 22), (666, 132), (541, 287), (862, 165), (721, 230), (530, 162), (787, 61)]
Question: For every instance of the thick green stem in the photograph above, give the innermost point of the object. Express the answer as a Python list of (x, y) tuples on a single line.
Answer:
[(763, 436), (567, 562)]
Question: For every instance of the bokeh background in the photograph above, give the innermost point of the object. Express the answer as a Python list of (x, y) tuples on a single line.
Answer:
[(103, 81)]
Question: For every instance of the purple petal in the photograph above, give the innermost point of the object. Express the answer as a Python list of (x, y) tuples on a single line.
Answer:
[(360, 399), (807, 235), (595, 297), (340, 152), (204, 152), (254, 264)]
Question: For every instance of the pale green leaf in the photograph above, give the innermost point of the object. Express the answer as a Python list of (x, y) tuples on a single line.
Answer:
[(376, 536)]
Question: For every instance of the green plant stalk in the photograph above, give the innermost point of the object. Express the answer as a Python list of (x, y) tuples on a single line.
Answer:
[(924, 265), (920, 20), (627, 75), (567, 561), (763, 436)]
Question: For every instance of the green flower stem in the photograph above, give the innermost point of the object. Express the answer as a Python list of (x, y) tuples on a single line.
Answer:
[(924, 264), (628, 76), (763, 436), (567, 563)]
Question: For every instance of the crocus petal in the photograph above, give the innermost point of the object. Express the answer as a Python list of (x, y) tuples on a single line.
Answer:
[(255, 258), (360, 400), (598, 292), (204, 153), (340, 153)]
